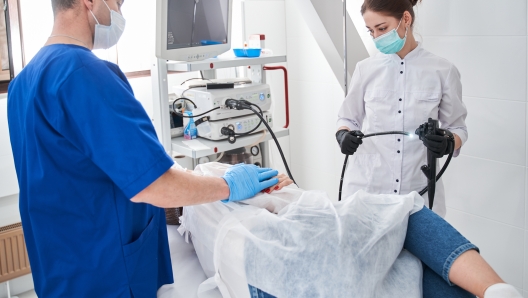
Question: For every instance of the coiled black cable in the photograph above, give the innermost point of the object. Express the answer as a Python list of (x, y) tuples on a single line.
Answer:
[(184, 99), (193, 116), (246, 105), (423, 191), (364, 137), (276, 143)]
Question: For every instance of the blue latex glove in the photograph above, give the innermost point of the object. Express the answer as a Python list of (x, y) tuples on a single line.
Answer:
[(245, 181)]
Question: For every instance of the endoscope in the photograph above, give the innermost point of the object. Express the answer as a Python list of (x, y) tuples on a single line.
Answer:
[(428, 128)]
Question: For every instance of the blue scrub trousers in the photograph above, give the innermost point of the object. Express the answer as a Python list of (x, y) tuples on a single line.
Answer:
[(437, 244)]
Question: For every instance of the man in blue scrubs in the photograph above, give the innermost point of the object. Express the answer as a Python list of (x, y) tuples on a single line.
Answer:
[(91, 171)]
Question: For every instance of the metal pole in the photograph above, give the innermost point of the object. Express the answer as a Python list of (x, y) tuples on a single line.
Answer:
[(345, 45)]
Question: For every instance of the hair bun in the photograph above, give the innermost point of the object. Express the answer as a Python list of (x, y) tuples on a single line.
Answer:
[(414, 2)]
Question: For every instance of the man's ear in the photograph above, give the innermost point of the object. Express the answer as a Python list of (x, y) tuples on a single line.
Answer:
[(88, 4)]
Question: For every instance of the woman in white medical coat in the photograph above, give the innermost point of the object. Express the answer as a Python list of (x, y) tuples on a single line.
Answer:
[(398, 89)]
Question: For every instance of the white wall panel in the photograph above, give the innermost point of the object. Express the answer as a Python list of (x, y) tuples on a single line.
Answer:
[(491, 67), (295, 25), (526, 260), (5, 142), (489, 137), (9, 212), (313, 179), (136, 47), (8, 178), (274, 28), (311, 138), (501, 245), (307, 63), (526, 203), (471, 17), (37, 23), (490, 189)]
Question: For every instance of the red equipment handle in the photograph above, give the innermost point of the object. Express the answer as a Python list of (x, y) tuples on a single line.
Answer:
[(286, 99)]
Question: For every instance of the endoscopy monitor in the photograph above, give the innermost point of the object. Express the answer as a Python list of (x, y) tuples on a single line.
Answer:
[(190, 30)]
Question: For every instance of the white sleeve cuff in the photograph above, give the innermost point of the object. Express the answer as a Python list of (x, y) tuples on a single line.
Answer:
[(463, 135), (348, 123)]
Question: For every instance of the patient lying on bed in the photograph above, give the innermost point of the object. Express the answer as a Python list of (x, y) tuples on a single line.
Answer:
[(294, 243)]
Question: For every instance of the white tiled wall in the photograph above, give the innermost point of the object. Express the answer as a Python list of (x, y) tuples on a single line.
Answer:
[(8, 182), (525, 265), (487, 186), (500, 244)]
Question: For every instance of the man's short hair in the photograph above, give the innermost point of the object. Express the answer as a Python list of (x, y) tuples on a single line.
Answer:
[(59, 5)]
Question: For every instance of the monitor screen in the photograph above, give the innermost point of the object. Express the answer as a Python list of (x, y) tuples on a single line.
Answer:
[(196, 23)]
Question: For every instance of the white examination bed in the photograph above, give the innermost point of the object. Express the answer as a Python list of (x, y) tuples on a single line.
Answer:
[(311, 247)]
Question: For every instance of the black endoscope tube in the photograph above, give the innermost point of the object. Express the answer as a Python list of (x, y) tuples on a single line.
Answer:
[(276, 142), (364, 137), (448, 160)]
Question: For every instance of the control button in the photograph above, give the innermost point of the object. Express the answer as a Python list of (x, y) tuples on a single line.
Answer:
[(261, 96), (239, 125)]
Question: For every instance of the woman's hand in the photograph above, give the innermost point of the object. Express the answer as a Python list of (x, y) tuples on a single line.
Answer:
[(284, 180)]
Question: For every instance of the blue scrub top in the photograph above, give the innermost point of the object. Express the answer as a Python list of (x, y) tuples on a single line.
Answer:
[(83, 147)]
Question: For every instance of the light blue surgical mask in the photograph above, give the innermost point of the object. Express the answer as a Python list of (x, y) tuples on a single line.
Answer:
[(390, 42), (106, 37)]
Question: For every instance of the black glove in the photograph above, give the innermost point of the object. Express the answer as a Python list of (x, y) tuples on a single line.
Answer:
[(349, 141), (437, 144)]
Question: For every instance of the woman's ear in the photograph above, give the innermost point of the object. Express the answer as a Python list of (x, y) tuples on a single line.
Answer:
[(407, 19)]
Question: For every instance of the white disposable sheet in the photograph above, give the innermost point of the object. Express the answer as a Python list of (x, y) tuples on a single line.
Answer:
[(186, 269), (295, 243)]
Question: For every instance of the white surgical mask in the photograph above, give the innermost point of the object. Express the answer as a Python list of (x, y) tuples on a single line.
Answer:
[(108, 36)]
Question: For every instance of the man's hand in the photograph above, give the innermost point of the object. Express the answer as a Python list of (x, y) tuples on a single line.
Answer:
[(245, 181)]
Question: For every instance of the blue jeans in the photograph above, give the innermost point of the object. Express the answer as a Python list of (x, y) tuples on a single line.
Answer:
[(437, 244)]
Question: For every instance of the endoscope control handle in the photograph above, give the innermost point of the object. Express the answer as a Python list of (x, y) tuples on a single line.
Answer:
[(431, 179), (427, 172)]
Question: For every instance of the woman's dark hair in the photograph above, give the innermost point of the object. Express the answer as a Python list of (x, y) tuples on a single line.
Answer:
[(393, 8)]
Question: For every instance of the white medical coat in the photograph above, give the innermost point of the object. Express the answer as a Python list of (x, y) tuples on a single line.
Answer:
[(389, 93)]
